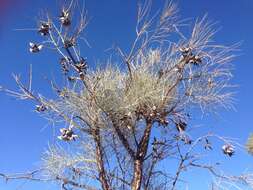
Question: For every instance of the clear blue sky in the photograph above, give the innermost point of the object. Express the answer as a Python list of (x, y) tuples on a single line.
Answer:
[(23, 135)]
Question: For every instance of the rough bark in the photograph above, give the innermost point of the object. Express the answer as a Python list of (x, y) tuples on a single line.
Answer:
[(138, 168), (139, 158), (100, 161), (124, 140)]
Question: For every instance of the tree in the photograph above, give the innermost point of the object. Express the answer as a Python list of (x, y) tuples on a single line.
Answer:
[(249, 144), (126, 121)]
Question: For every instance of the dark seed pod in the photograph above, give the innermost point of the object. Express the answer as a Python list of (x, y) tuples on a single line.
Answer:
[(185, 51), (82, 65), (41, 108), (69, 43), (160, 73), (44, 28), (163, 122), (185, 138), (67, 135), (81, 74), (71, 79), (65, 61), (35, 48), (65, 18), (65, 65), (228, 150), (208, 145), (181, 126), (195, 60)]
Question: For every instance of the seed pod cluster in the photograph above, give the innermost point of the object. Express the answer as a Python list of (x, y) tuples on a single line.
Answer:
[(154, 114), (189, 57), (161, 118)]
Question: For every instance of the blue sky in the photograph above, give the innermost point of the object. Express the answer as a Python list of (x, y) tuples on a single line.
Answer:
[(23, 134)]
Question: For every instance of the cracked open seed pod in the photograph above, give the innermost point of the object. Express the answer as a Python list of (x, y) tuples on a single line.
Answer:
[(228, 150), (65, 65), (181, 126), (185, 138), (41, 108), (65, 18), (195, 60), (163, 122), (67, 135), (69, 42), (44, 28), (185, 50), (82, 65), (35, 48)]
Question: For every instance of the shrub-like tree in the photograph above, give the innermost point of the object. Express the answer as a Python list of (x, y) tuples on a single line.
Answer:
[(127, 120)]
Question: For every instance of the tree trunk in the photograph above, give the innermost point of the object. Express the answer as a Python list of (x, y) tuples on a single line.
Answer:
[(136, 183), (139, 158), (100, 161)]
